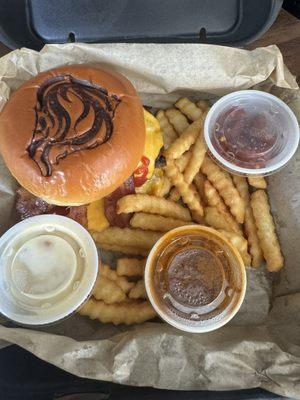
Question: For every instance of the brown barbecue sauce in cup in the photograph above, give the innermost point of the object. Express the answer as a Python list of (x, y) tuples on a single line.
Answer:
[(195, 279)]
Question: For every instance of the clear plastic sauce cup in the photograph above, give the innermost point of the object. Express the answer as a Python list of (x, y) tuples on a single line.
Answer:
[(250, 132), (48, 267), (195, 279)]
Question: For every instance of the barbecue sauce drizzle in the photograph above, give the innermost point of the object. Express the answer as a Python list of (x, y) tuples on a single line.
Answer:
[(50, 113)]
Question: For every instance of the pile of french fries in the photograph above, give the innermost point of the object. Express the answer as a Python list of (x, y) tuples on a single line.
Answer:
[(194, 190), (119, 296)]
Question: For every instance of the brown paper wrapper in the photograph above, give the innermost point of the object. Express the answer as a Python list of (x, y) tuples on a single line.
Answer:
[(261, 345)]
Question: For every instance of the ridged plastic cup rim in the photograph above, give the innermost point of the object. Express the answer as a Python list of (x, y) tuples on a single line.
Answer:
[(90, 280), (247, 171), (181, 326)]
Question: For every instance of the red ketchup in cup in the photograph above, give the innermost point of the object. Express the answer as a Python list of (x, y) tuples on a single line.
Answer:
[(251, 133)]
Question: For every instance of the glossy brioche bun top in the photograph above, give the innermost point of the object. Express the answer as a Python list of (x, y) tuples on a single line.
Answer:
[(73, 134)]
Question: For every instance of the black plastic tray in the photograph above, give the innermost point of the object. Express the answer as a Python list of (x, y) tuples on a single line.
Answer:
[(33, 23)]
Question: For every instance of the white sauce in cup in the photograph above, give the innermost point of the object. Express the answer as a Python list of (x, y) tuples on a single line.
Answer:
[(48, 267)]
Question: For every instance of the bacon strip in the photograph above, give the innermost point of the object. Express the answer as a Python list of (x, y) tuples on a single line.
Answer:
[(110, 204), (28, 205)]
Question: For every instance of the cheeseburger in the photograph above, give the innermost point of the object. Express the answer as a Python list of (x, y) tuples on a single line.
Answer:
[(78, 135)]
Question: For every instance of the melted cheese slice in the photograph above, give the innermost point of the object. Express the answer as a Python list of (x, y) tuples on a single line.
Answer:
[(154, 141), (96, 218)]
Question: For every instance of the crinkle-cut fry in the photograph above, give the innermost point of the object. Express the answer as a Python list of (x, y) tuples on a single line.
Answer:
[(130, 267), (174, 194), (127, 237), (164, 188), (218, 219), (185, 141), (249, 223), (215, 200), (152, 205), (122, 313), (189, 108), (266, 230), (203, 105), (107, 290), (196, 217), (258, 182), (242, 187), (111, 274), (253, 240), (188, 195), (183, 161), (212, 196), (224, 185), (199, 180), (156, 222), (138, 291), (193, 166), (177, 119), (168, 131), (196, 160), (241, 245), (135, 251)]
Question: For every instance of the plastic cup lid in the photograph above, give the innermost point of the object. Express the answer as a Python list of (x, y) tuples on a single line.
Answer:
[(187, 317), (48, 267), (251, 132)]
